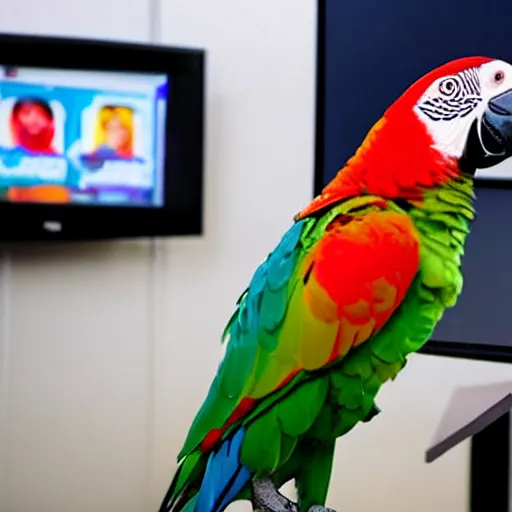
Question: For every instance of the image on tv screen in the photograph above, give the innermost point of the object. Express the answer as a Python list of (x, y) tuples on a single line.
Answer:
[(82, 137)]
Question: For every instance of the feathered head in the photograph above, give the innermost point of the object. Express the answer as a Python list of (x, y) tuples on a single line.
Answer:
[(452, 121)]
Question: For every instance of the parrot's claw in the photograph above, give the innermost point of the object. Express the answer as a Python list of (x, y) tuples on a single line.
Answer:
[(266, 498), (319, 508)]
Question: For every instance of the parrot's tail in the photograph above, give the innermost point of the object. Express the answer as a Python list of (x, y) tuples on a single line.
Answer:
[(190, 506), (185, 483), (205, 483)]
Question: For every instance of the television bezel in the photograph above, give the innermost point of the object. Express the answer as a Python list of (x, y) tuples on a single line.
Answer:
[(470, 350), (182, 212)]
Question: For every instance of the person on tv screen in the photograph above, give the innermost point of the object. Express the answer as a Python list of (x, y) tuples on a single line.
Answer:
[(33, 126), (114, 134)]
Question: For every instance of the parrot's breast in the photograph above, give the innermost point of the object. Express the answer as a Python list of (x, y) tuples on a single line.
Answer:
[(442, 220)]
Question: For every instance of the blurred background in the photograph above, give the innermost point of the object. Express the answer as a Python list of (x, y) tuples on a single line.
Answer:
[(107, 350)]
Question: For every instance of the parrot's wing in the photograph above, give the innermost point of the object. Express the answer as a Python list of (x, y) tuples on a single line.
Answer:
[(328, 286)]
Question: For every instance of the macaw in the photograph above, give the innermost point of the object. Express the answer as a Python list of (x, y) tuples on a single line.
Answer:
[(356, 284)]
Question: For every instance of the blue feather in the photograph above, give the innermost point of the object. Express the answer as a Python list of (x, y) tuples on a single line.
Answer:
[(224, 477)]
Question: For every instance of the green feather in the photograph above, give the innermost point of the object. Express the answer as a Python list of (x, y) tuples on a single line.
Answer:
[(288, 445), (260, 312), (190, 506), (298, 411), (187, 478), (261, 447), (314, 474), (348, 389)]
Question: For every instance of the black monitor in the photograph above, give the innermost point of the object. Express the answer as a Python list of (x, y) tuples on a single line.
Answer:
[(99, 139), (368, 54)]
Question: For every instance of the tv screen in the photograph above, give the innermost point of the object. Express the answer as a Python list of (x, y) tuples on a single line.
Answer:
[(101, 139), (82, 137), (368, 54)]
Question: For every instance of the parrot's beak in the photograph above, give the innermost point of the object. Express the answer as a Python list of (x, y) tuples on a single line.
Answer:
[(496, 128), (490, 138)]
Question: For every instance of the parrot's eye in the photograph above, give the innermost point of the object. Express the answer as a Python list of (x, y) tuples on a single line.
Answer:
[(499, 77), (449, 87)]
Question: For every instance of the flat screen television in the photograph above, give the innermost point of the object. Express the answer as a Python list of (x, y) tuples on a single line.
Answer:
[(99, 139), (368, 54)]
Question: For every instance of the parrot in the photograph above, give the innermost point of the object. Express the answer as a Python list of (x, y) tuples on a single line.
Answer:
[(358, 283)]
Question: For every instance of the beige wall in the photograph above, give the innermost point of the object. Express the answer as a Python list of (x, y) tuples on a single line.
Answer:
[(107, 350)]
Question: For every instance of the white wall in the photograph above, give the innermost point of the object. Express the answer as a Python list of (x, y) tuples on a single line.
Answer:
[(260, 159), (97, 386), (74, 336), (106, 19)]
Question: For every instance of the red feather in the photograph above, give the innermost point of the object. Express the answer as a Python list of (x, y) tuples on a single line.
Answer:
[(215, 435), (396, 159)]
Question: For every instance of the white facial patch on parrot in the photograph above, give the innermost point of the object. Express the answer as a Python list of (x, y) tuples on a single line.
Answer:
[(451, 104)]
